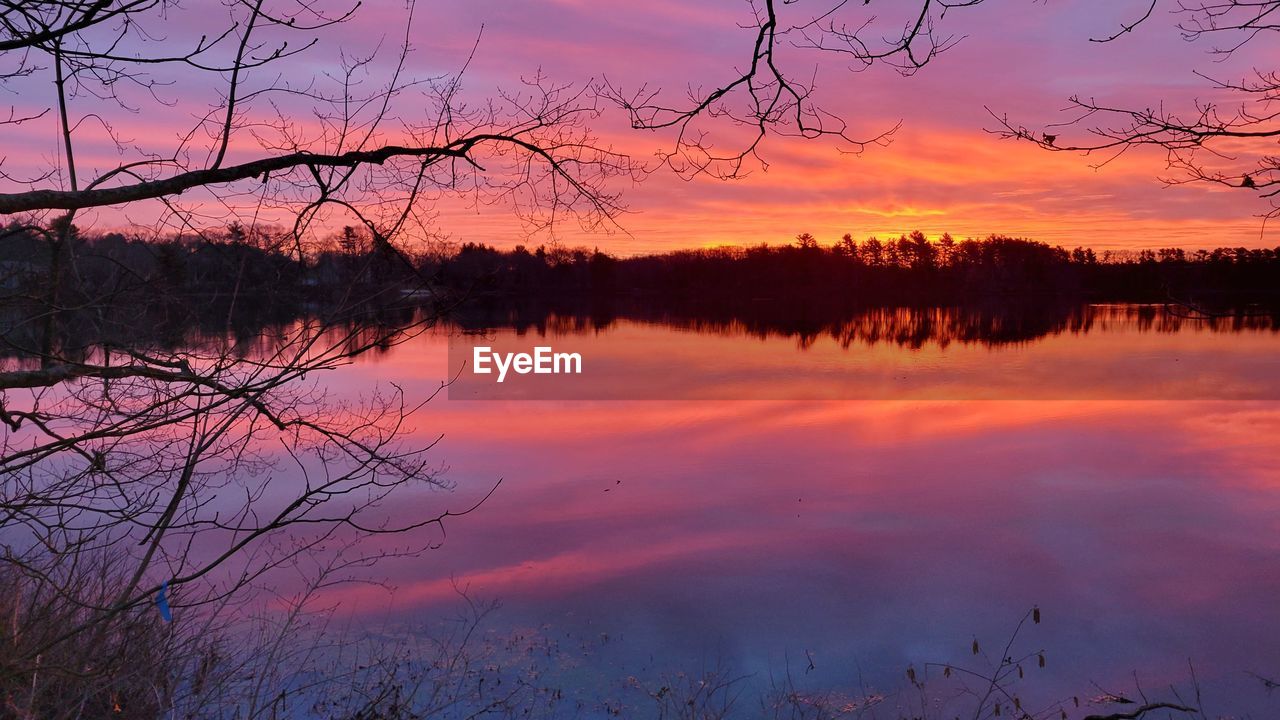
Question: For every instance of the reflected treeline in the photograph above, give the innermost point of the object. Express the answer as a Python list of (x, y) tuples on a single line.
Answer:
[(260, 328), (237, 291), (248, 291), (991, 324)]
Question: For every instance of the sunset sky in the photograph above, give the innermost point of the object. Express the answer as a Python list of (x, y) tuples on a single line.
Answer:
[(942, 172)]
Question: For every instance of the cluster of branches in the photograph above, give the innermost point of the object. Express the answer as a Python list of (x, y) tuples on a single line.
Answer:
[(140, 462), (1227, 140), (371, 148), (719, 127), (195, 471)]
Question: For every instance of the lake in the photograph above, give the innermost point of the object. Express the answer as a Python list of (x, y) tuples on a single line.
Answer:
[(843, 502)]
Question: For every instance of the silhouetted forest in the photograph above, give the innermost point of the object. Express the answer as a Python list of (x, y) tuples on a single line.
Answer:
[(132, 292), (908, 270), (240, 284)]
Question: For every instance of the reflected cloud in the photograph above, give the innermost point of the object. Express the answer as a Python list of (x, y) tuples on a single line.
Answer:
[(873, 534)]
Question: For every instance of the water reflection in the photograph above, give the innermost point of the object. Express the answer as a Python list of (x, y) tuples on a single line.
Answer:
[(991, 324), (866, 535), (847, 540), (1017, 352)]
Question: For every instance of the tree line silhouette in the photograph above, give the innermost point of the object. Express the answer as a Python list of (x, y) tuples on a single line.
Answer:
[(68, 294), (910, 269), (243, 283), (258, 275)]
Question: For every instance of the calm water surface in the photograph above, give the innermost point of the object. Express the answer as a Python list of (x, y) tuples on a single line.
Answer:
[(846, 540)]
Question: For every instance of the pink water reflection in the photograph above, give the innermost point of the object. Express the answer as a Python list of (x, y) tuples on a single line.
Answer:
[(1098, 352), (867, 534)]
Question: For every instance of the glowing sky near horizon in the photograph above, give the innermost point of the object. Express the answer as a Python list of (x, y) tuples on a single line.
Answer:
[(942, 172)]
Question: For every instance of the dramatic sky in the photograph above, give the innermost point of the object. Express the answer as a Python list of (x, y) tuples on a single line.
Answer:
[(941, 172)]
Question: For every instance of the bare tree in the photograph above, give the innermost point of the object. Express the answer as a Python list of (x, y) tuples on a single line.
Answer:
[(719, 129), (178, 465)]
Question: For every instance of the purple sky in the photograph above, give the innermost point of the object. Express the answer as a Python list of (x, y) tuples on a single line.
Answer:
[(942, 172)]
